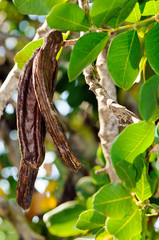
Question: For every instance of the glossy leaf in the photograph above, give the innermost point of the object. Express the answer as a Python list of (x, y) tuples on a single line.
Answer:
[(124, 58), (152, 47), (25, 54), (90, 219), (68, 16), (135, 15), (64, 217), (113, 200), (151, 8), (149, 99), (143, 188), (126, 172), (128, 226), (85, 51), (135, 139), (103, 10), (38, 7), (122, 14)]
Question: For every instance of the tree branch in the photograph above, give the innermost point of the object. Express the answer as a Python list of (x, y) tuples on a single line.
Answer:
[(11, 83), (107, 121), (123, 115), (13, 213)]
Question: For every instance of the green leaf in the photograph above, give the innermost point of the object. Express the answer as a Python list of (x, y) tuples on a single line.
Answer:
[(103, 10), (123, 59), (100, 155), (99, 179), (85, 51), (90, 219), (127, 227), (36, 7), (138, 163), (85, 187), (122, 14), (132, 141), (152, 47), (135, 15), (68, 16), (104, 235), (126, 172), (137, 237), (151, 8), (113, 200), (25, 54), (149, 99), (64, 217), (86, 238), (143, 187)]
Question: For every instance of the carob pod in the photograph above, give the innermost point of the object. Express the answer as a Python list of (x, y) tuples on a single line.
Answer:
[(31, 133), (44, 66)]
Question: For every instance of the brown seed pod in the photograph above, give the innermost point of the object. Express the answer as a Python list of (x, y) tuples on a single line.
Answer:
[(44, 66)]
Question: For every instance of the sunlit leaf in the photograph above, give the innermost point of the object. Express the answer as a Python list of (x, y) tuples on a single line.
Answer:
[(68, 16), (113, 200), (151, 8), (135, 139), (135, 15), (38, 7), (64, 217), (124, 58), (128, 226), (25, 54), (90, 219), (143, 188), (85, 51)]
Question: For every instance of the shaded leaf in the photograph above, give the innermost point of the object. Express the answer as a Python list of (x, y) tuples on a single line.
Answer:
[(149, 99), (103, 10), (143, 187), (99, 179), (122, 14), (38, 7), (123, 59), (126, 172), (85, 51), (68, 16), (113, 200), (85, 187), (152, 47), (151, 8), (138, 163), (132, 141), (90, 219), (64, 217), (128, 226)]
